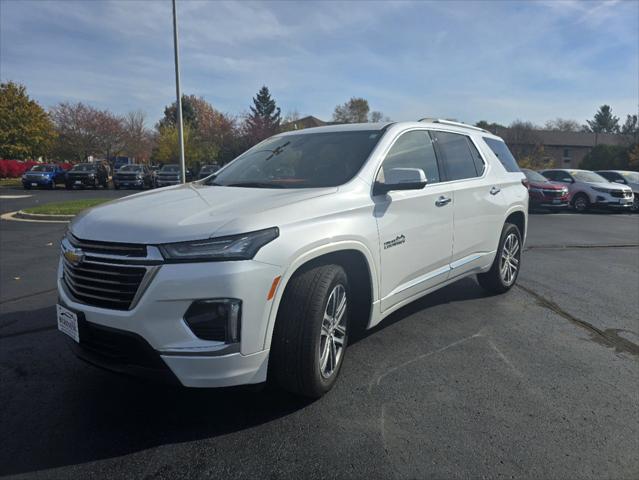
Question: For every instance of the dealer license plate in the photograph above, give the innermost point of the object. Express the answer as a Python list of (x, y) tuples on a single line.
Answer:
[(68, 322)]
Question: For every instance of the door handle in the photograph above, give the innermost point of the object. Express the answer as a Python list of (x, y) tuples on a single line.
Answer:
[(441, 201), (495, 190)]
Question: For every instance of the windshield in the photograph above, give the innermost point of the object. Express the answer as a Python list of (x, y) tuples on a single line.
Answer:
[(301, 161), (632, 177), (130, 168), (534, 176), (170, 168), (588, 177), (43, 168), (84, 167)]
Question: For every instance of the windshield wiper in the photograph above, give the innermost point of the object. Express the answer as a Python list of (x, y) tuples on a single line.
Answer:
[(254, 185)]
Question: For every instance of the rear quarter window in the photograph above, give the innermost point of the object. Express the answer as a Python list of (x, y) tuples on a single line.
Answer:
[(500, 149)]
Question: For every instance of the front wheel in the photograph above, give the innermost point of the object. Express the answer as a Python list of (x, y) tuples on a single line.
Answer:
[(311, 331), (505, 268), (581, 203)]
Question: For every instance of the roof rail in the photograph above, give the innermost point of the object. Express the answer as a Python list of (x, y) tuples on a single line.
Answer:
[(450, 122)]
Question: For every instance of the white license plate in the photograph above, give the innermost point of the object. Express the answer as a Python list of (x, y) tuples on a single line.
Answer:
[(34, 184), (78, 182), (68, 322), (556, 200)]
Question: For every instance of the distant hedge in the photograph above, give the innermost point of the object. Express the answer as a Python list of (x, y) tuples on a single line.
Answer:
[(15, 168)]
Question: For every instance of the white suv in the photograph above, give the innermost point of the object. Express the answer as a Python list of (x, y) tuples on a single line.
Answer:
[(588, 189), (266, 266)]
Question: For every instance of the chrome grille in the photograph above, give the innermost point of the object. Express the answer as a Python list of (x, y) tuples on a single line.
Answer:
[(107, 275), (122, 249), (102, 285)]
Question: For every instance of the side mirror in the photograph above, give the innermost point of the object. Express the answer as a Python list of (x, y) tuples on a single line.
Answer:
[(401, 179)]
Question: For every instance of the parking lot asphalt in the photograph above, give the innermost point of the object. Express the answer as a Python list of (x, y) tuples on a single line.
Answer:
[(538, 383)]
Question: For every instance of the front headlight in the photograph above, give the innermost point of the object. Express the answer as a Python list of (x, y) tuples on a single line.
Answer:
[(603, 190), (235, 247)]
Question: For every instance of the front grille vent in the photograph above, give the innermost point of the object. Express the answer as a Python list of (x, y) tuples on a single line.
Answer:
[(122, 249)]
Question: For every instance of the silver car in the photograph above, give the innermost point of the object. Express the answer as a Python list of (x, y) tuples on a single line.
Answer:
[(588, 189), (624, 177)]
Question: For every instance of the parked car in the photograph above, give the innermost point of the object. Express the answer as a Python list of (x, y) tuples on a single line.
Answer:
[(133, 176), (45, 175), (588, 189), (87, 175), (624, 177), (119, 162), (544, 193), (171, 175), (267, 267), (207, 170)]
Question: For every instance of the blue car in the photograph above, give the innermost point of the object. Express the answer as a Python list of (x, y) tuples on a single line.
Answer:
[(45, 175)]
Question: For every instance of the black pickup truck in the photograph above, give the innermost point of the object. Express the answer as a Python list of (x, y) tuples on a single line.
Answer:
[(87, 175), (170, 175)]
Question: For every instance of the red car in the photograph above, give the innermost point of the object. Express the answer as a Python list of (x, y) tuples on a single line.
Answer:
[(545, 194)]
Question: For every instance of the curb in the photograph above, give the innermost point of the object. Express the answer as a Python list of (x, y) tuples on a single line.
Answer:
[(21, 216)]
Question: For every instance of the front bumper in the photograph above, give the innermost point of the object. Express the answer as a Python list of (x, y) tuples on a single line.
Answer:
[(157, 319), (138, 183), (615, 203), (166, 183), (81, 181), (37, 182)]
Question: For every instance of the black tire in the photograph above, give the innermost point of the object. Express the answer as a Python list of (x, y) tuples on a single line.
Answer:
[(581, 203), (26, 187), (295, 350), (493, 281), (116, 186), (68, 186)]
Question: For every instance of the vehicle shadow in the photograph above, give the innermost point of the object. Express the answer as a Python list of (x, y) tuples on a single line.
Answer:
[(63, 412)]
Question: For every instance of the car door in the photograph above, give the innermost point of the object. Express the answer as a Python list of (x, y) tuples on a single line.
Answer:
[(479, 205), (414, 226)]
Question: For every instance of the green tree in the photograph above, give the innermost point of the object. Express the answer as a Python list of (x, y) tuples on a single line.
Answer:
[(26, 131), (603, 122), (563, 125), (264, 119), (630, 126), (607, 157), (354, 111), (491, 127), (190, 106)]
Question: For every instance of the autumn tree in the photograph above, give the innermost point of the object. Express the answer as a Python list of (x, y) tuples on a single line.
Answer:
[(354, 111), (138, 140), (603, 121), (526, 145), (209, 135), (26, 131)]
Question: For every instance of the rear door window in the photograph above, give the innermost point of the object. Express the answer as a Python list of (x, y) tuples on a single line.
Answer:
[(500, 149), (455, 153)]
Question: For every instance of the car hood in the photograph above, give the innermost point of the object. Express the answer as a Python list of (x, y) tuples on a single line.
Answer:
[(190, 212), (609, 186), (547, 185)]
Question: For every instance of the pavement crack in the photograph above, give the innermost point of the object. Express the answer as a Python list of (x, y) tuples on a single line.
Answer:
[(22, 297), (609, 337)]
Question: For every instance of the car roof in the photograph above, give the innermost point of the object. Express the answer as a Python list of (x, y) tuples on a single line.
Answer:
[(428, 123)]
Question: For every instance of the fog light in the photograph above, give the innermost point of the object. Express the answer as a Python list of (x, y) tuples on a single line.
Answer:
[(216, 319)]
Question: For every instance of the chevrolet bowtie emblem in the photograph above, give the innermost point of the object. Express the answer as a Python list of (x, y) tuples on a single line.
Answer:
[(74, 257)]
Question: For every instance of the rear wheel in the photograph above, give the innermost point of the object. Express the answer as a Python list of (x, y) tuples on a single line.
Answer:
[(311, 331), (505, 268), (581, 203)]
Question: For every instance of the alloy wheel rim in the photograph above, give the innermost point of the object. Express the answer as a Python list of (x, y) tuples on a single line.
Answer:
[(333, 331), (580, 204), (509, 262)]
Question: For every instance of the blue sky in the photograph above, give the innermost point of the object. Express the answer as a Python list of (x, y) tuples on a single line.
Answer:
[(468, 60)]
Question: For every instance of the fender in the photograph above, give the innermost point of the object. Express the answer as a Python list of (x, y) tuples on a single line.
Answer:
[(307, 256)]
